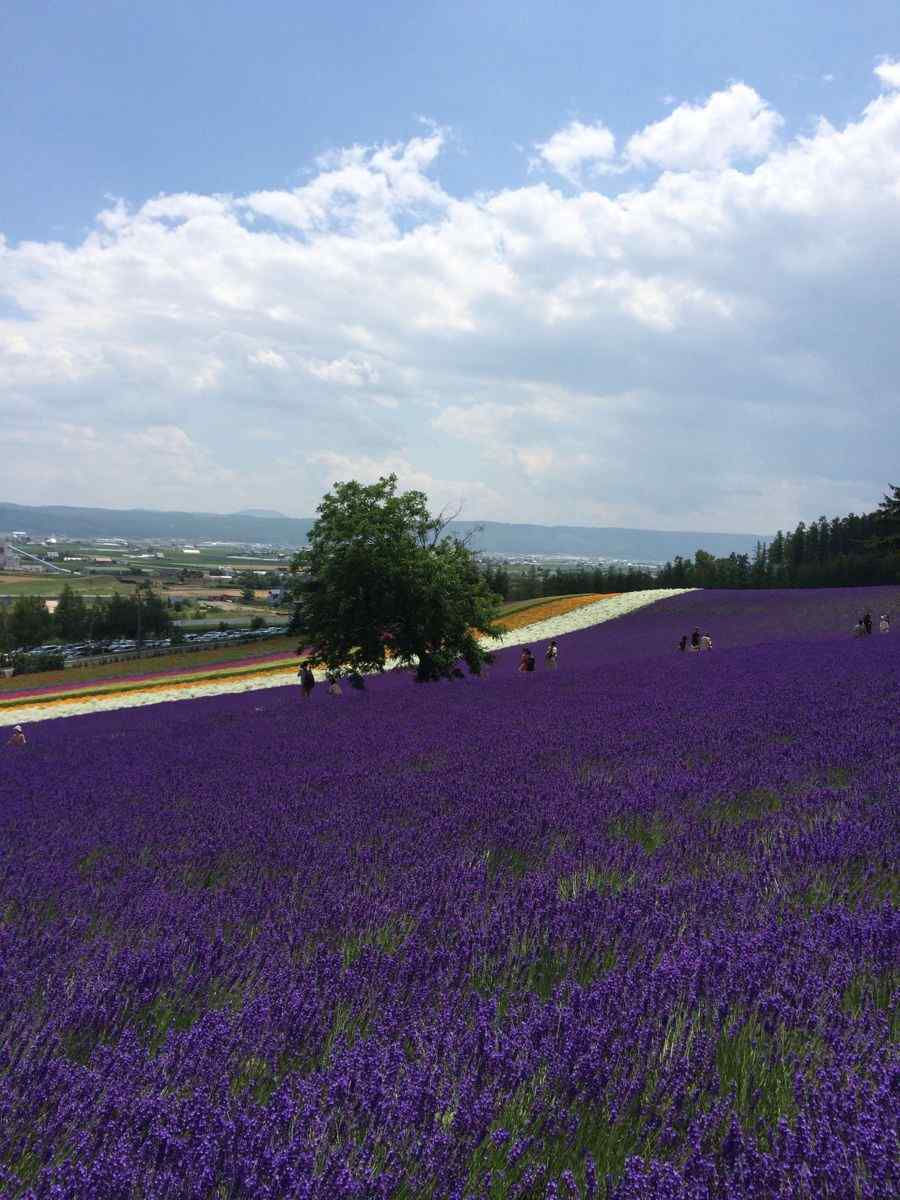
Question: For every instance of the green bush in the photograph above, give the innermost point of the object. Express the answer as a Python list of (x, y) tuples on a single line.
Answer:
[(28, 664)]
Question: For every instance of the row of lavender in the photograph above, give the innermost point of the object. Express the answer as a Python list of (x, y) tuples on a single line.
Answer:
[(627, 929)]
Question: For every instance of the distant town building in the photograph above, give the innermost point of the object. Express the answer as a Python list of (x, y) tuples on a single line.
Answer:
[(14, 559)]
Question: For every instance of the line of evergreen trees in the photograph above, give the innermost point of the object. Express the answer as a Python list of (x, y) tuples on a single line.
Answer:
[(849, 551), (541, 581), (139, 614), (841, 552)]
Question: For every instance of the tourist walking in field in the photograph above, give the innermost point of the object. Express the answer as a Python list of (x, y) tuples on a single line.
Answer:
[(527, 661), (334, 686), (859, 629), (695, 639), (307, 680), (17, 737), (551, 657), (867, 622), (682, 645), (706, 642), (884, 624)]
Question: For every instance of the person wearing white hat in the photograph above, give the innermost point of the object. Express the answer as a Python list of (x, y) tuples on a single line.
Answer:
[(17, 738), (884, 624)]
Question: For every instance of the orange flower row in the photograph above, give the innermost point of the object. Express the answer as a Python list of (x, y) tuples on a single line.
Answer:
[(551, 608), (516, 620)]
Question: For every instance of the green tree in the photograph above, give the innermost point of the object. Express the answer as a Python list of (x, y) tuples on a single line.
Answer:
[(142, 614), (71, 617), (381, 580), (248, 582), (152, 615), (29, 623), (887, 522)]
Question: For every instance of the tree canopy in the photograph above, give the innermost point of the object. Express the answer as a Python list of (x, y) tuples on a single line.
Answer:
[(378, 579), (887, 515)]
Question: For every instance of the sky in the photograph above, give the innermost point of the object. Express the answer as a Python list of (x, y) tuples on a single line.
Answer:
[(570, 264)]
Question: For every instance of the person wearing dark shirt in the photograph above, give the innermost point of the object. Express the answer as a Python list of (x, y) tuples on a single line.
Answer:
[(307, 680)]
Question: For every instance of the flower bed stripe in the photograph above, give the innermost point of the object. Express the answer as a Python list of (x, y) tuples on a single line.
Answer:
[(589, 612)]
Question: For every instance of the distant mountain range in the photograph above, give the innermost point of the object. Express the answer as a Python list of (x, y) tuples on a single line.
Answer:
[(575, 541), (266, 527), (259, 512)]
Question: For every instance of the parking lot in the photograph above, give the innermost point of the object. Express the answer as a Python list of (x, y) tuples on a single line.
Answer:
[(77, 654)]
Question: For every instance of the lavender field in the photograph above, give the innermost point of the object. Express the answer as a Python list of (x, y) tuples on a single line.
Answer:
[(626, 930)]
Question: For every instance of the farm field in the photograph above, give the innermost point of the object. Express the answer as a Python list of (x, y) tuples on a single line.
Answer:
[(99, 689), (623, 930), (51, 585), (200, 662), (145, 668)]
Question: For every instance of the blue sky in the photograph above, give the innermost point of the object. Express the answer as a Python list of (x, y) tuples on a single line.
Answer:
[(131, 99), (590, 378)]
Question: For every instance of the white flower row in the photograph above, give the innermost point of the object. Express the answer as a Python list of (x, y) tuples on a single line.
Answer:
[(552, 627), (583, 618)]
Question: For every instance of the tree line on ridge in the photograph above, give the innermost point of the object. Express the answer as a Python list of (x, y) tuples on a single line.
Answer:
[(856, 550)]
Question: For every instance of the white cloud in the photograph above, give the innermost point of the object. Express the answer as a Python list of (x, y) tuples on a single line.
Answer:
[(359, 190), (486, 422), (468, 495), (666, 355), (160, 463), (354, 373), (888, 72), (268, 358), (537, 460), (576, 147), (732, 125)]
